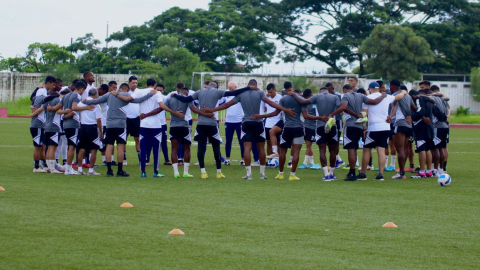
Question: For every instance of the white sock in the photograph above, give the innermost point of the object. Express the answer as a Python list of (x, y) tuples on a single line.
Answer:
[(186, 166), (386, 161), (279, 172), (249, 170), (429, 171), (332, 170), (219, 170), (311, 160), (356, 163), (262, 169), (394, 161), (90, 170), (339, 158), (80, 169), (51, 164), (104, 159), (203, 170), (291, 158), (325, 170), (83, 161), (274, 149), (440, 171), (292, 173), (175, 168), (113, 157), (306, 160), (68, 167)]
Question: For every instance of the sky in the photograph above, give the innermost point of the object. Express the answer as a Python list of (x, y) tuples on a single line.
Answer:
[(24, 22)]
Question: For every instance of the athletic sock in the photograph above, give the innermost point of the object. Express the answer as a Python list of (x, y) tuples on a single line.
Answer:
[(352, 171), (394, 161), (175, 168), (386, 161), (274, 149), (64, 162), (440, 170), (291, 158), (124, 155), (186, 166), (104, 159), (332, 170), (356, 163), (109, 166), (429, 171), (113, 157), (262, 169), (51, 164), (413, 165), (90, 170), (312, 161), (203, 170), (56, 160), (120, 167), (37, 164), (219, 170), (339, 159), (370, 163), (305, 161), (325, 170), (422, 172), (292, 173), (68, 167), (249, 170), (445, 165), (138, 154), (44, 162), (80, 169)]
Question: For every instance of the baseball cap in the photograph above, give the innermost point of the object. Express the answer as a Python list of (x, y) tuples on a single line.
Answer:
[(373, 85)]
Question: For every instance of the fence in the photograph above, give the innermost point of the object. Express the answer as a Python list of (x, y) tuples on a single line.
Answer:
[(15, 85)]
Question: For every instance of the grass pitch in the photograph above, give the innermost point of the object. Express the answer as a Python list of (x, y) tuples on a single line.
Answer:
[(60, 222)]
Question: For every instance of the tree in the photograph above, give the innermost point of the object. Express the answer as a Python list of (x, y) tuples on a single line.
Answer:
[(475, 83), (40, 57), (395, 52)]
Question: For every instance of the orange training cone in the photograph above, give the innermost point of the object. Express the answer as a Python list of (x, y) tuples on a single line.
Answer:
[(176, 232), (390, 225), (126, 205), (2, 189)]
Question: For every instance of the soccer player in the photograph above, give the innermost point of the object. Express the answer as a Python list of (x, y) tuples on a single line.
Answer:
[(272, 143), (102, 90), (91, 133), (133, 119), (253, 129), (62, 148), (89, 79), (441, 131), (351, 104), (310, 131), (353, 81), (338, 123), (116, 125), (378, 129), (207, 128), (163, 122), (37, 124)]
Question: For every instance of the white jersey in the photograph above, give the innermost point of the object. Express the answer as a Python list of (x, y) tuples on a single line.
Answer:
[(132, 109), (163, 114), (88, 117), (41, 92), (85, 93), (234, 112), (270, 122), (148, 106), (377, 114)]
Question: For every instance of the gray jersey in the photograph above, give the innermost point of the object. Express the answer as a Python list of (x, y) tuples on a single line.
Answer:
[(290, 103), (311, 110), (67, 101), (52, 123), (208, 97), (441, 106), (403, 111), (38, 121), (355, 102), (116, 114), (339, 96), (325, 104), (177, 105), (250, 101)]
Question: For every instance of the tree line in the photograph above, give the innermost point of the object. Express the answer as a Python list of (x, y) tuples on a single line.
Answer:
[(389, 38)]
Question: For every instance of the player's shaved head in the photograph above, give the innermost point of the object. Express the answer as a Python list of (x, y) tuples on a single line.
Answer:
[(232, 86)]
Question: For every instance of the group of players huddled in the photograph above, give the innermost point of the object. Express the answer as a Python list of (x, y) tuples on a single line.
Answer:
[(80, 119)]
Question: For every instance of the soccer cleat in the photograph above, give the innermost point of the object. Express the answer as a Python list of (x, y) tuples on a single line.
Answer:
[(362, 177), (262, 177), (362, 120), (220, 175), (74, 166), (429, 174), (204, 176), (303, 166), (167, 163), (350, 177), (181, 163), (399, 176), (81, 173), (104, 163), (186, 175), (255, 164), (390, 169), (242, 163), (274, 155), (379, 177), (418, 175), (437, 174), (147, 163), (226, 163), (123, 174), (333, 177), (59, 168), (125, 163), (143, 175), (309, 166), (197, 164), (289, 165), (71, 172), (417, 169), (95, 166), (315, 167), (280, 176), (410, 170), (94, 173), (54, 171), (339, 164), (293, 178), (247, 177), (329, 124), (114, 163), (86, 166), (378, 169), (369, 168), (110, 174), (327, 178), (158, 175), (39, 170), (176, 176)]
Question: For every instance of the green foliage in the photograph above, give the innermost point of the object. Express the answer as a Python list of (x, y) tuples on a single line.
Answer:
[(395, 52), (301, 83), (40, 57), (475, 83), (472, 119), (17, 107), (461, 111), (66, 72)]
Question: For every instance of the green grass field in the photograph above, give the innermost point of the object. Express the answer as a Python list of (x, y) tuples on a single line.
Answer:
[(60, 222)]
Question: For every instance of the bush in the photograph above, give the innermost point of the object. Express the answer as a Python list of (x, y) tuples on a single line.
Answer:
[(461, 111), (18, 107)]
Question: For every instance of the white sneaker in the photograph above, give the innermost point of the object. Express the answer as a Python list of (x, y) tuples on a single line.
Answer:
[(81, 173), (197, 163), (59, 168), (54, 172), (274, 155), (289, 165), (255, 164), (39, 170), (71, 172), (125, 163), (93, 173), (242, 163)]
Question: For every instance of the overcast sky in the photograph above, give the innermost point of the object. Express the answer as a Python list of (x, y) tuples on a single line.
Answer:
[(27, 21)]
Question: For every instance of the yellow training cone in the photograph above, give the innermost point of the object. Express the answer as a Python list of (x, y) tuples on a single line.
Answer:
[(176, 232), (126, 205), (2, 189), (390, 225)]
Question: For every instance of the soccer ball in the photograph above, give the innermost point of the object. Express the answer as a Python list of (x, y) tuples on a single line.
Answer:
[(273, 163), (444, 180)]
